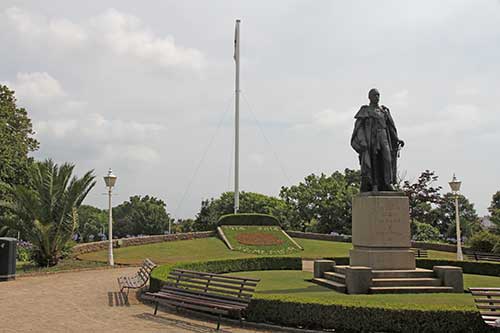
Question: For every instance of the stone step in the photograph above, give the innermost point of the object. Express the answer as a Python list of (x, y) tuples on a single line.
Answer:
[(406, 282), (403, 273), (337, 277), (340, 269), (409, 290), (340, 287)]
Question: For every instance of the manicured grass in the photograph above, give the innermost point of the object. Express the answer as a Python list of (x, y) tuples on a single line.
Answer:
[(295, 285), (213, 249), (63, 265), (232, 231)]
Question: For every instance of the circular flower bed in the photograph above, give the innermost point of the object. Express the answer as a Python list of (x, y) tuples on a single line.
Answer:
[(258, 238)]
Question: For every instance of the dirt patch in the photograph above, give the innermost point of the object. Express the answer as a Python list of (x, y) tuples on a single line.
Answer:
[(258, 239)]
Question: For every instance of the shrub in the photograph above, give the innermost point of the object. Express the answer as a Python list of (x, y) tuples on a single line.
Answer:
[(24, 251), (287, 311), (483, 241), (248, 219), (468, 267), (424, 232)]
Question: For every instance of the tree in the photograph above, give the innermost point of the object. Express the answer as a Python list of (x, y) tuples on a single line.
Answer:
[(423, 197), (444, 216), (45, 210), (16, 141), (424, 232), (250, 202), (92, 221), (325, 200), (141, 216), (494, 211)]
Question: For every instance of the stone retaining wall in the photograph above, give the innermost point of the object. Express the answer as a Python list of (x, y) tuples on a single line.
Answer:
[(347, 238), (124, 242), (312, 235)]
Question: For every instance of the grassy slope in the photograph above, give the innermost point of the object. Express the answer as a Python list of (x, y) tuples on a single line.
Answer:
[(286, 247), (294, 285), (213, 248)]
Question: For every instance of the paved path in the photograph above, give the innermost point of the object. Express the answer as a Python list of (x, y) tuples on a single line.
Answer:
[(86, 301)]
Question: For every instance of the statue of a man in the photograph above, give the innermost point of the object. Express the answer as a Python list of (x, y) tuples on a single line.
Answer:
[(376, 141)]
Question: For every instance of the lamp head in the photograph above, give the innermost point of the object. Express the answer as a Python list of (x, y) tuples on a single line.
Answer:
[(455, 184), (110, 179)]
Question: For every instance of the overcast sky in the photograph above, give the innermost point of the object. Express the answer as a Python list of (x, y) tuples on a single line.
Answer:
[(147, 88)]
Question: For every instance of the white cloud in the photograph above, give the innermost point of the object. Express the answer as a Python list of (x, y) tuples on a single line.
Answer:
[(121, 34), (36, 86)]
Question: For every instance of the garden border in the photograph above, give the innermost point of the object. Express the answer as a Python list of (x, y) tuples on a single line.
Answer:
[(297, 313)]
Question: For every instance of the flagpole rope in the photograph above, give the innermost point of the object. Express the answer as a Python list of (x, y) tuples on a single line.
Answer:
[(202, 159), (267, 140)]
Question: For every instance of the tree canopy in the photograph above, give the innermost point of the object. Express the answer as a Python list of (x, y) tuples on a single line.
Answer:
[(494, 210), (140, 216)]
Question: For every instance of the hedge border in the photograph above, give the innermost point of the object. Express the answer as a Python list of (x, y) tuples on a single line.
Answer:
[(248, 219), (342, 318)]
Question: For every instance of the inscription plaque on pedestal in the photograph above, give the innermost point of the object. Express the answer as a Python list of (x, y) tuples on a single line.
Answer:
[(381, 232)]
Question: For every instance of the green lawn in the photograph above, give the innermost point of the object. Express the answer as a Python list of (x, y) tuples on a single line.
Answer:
[(232, 231), (213, 249), (295, 285)]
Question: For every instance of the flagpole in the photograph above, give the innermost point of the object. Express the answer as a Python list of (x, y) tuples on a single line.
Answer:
[(237, 118)]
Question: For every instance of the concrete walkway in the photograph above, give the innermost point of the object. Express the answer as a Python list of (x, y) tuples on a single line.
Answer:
[(86, 301)]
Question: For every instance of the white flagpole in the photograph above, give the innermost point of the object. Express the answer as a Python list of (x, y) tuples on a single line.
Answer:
[(237, 118)]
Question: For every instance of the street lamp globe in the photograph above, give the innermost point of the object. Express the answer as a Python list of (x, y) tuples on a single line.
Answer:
[(110, 179), (455, 184)]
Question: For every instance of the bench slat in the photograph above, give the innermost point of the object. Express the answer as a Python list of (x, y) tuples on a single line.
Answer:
[(491, 307), (232, 287), (213, 278), (198, 301), (214, 290), (219, 275), (228, 299)]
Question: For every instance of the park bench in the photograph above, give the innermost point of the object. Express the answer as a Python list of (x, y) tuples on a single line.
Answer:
[(488, 302), (207, 292), (420, 253), (484, 256), (138, 280)]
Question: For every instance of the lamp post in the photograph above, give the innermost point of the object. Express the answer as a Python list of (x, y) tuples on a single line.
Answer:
[(455, 188), (110, 180)]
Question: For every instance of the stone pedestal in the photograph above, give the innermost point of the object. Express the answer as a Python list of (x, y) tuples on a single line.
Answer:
[(381, 231)]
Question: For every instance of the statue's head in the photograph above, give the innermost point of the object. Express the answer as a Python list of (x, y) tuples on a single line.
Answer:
[(374, 96)]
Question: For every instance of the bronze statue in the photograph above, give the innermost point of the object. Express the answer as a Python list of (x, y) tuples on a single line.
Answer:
[(376, 141)]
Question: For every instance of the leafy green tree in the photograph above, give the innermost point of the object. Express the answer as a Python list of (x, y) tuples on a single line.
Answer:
[(444, 216), (4, 231), (250, 202), (91, 222), (16, 141), (45, 210), (183, 225), (494, 211), (325, 201), (423, 196), (140, 216), (424, 232)]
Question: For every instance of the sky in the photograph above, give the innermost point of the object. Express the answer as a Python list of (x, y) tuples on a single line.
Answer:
[(147, 88)]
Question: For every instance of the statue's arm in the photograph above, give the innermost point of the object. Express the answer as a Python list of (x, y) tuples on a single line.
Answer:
[(393, 132), (358, 139)]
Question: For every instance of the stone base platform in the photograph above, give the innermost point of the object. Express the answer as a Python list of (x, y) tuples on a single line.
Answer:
[(365, 280)]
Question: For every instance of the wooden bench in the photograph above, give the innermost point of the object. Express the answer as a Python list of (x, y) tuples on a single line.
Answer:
[(207, 292), (420, 253), (488, 302), (483, 256), (138, 280)]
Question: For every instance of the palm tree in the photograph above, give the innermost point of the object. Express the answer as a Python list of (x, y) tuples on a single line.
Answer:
[(4, 230), (46, 208)]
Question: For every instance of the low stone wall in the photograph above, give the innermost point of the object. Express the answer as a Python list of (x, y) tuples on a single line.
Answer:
[(347, 238), (124, 242), (438, 247), (312, 235)]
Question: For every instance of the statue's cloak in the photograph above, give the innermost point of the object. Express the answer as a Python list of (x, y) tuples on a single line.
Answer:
[(361, 142)]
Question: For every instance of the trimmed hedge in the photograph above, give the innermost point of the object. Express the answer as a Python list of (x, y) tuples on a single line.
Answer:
[(227, 266), (248, 219), (290, 311), (297, 313), (469, 267)]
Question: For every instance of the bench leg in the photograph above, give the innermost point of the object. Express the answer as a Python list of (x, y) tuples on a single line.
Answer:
[(241, 320), (156, 308), (218, 323)]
